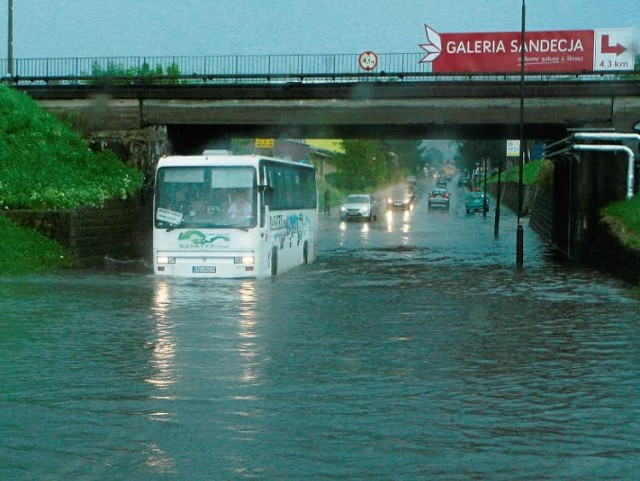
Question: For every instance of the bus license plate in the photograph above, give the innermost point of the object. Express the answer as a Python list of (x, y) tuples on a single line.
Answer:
[(203, 269)]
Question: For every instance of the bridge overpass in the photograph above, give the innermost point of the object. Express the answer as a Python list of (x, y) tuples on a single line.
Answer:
[(444, 108), (327, 97)]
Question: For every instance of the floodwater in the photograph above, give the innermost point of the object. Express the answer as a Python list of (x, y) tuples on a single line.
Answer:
[(411, 349)]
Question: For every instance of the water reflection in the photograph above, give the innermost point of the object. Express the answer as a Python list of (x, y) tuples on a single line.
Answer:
[(157, 461), (163, 347), (345, 227), (247, 348), (398, 220)]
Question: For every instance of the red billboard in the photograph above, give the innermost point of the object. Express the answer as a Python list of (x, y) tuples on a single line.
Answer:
[(547, 51)]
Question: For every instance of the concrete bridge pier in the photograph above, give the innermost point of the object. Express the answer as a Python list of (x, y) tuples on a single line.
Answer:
[(584, 182)]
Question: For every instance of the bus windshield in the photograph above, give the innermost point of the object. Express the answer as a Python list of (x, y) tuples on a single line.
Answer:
[(206, 197)]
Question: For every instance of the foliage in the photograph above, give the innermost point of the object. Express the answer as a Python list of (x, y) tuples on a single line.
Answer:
[(119, 74), (627, 216), (404, 157), (545, 173), (530, 172), (46, 165), (472, 152), (363, 164), (434, 157), (242, 146), (336, 194), (25, 250)]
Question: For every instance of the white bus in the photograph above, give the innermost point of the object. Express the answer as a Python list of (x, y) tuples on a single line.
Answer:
[(233, 216)]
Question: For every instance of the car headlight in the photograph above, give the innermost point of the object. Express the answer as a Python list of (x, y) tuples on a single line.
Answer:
[(166, 260), (343, 208)]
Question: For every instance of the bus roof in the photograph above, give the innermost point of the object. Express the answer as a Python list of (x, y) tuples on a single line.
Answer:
[(213, 160)]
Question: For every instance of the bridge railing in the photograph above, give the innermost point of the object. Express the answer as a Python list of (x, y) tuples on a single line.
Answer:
[(212, 68), (240, 68)]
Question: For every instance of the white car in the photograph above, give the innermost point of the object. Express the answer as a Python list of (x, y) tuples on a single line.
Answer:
[(359, 206)]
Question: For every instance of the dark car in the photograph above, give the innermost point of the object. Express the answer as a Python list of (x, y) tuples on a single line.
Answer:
[(439, 198), (400, 199), (463, 180), (441, 182)]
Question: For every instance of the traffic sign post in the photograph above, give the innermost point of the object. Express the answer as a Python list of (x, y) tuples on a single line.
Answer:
[(368, 60)]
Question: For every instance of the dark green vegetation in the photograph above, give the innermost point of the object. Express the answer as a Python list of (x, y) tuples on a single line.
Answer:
[(45, 165), (372, 164), (25, 250), (625, 216), (119, 74)]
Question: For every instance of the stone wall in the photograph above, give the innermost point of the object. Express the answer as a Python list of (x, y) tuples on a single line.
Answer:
[(118, 232), (509, 196), (542, 219)]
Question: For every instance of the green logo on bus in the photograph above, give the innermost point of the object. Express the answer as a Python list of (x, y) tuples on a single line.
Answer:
[(198, 238)]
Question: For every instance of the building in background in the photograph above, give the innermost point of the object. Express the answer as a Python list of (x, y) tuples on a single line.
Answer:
[(319, 152)]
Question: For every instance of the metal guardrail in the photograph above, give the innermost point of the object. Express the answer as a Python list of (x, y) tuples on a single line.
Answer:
[(251, 68)]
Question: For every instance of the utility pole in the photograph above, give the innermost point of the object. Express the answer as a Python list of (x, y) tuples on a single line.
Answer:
[(484, 196), (519, 230), (10, 41), (496, 224)]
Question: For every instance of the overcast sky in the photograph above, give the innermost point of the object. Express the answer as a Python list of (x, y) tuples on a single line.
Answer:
[(97, 28)]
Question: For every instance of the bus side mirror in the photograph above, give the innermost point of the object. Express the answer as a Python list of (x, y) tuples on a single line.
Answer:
[(267, 191)]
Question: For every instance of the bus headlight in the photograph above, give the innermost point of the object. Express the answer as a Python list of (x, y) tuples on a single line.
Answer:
[(246, 260), (166, 260)]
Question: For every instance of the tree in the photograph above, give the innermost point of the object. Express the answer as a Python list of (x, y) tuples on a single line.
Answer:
[(363, 164), (405, 157), (472, 152)]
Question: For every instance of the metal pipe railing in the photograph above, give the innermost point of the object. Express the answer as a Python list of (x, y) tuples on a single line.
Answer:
[(391, 66)]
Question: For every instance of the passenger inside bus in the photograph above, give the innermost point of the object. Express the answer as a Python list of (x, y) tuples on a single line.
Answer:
[(240, 207)]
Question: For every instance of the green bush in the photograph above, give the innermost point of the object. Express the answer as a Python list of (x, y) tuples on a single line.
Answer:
[(44, 164), (530, 172)]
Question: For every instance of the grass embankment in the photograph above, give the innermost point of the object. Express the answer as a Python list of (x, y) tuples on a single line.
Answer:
[(531, 173), (624, 217), (45, 165)]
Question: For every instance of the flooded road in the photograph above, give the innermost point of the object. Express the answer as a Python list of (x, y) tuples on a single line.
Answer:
[(412, 349)]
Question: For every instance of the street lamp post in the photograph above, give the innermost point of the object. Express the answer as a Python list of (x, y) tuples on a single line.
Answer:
[(484, 197), (496, 222), (520, 231), (10, 40)]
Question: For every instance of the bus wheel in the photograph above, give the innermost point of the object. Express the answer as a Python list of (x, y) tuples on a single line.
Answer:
[(305, 253), (274, 262)]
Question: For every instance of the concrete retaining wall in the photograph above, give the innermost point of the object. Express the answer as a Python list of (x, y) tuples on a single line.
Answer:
[(118, 231), (606, 250)]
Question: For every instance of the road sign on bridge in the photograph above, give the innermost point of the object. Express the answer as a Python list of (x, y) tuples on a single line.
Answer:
[(546, 51)]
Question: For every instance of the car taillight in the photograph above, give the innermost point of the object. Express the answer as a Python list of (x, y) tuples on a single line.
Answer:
[(446, 196)]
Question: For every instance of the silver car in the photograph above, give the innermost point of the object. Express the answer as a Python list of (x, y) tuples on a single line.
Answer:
[(439, 198), (359, 206)]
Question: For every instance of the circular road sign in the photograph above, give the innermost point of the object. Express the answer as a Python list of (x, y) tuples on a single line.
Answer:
[(368, 60)]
